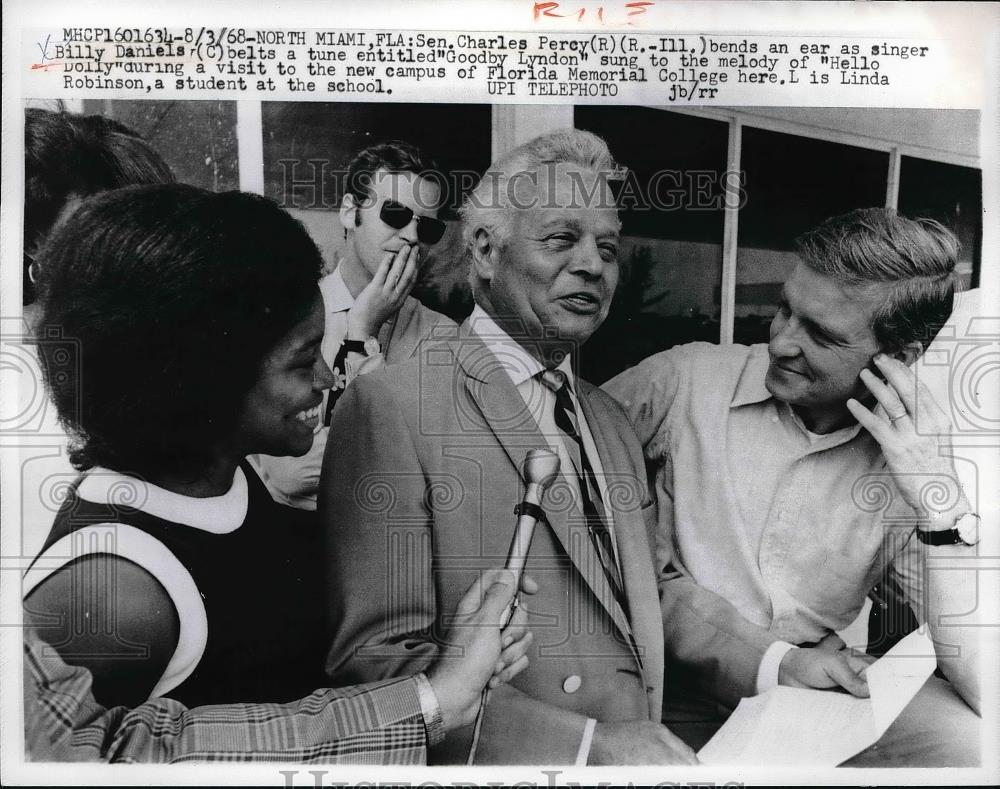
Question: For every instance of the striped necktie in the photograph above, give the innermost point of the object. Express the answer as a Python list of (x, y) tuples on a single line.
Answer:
[(590, 494)]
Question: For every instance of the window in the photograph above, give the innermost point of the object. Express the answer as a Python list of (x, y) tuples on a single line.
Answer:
[(952, 195), (307, 147), (672, 227), (792, 184)]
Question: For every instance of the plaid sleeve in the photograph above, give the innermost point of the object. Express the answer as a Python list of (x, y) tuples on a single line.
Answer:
[(377, 723)]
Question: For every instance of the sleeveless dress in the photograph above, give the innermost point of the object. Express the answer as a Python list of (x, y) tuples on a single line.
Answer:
[(244, 574)]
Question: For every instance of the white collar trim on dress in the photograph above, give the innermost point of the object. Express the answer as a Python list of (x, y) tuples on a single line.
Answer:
[(216, 514)]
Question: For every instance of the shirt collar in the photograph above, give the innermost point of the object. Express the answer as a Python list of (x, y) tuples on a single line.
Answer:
[(215, 514), (750, 387), (336, 296), (823, 440), (515, 360)]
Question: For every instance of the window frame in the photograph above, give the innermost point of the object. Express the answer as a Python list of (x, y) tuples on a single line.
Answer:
[(738, 119), (513, 123)]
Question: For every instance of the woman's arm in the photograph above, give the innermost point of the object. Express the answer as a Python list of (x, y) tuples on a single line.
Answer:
[(112, 617)]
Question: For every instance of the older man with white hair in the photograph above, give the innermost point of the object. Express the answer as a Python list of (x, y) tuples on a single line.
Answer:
[(417, 496)]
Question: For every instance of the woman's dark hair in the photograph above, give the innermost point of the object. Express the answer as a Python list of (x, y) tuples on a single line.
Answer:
[(69, 156), (171, 297)]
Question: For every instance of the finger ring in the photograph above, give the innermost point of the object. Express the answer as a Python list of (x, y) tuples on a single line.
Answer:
[(896, 418)]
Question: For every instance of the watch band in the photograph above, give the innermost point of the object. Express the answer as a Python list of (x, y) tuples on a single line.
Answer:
[(940, 537), (360, 346), (366, 347), (964, 532)]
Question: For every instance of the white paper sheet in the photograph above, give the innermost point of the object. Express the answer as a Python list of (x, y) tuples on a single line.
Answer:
[(895, 679), (801, 727)]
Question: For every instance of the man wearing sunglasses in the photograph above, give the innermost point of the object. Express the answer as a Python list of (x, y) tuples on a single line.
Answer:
[(389, 215)]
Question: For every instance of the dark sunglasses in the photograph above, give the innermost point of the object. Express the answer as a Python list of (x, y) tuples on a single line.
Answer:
[(397, 216)]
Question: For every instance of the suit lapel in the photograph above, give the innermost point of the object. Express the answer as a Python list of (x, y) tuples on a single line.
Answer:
[(505, 414), (497, 399), (628, 522)]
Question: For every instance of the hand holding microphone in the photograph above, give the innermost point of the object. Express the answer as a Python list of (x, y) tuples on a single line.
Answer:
[(481, 654)]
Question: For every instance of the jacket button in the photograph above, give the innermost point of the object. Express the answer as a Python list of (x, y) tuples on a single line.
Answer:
[(572, 683)]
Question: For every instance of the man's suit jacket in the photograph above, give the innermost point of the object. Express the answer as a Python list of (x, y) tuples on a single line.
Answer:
[(417, 498)]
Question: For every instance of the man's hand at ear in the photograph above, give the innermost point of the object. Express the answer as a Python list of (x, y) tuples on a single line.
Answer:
[(918, 456)]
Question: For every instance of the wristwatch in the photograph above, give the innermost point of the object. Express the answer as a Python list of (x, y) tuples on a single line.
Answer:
[(368, 347), (964, 532)]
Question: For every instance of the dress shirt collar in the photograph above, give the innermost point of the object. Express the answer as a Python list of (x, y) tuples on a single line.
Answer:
[(750, 390), (515, 360), (750, 387), (336, 296)]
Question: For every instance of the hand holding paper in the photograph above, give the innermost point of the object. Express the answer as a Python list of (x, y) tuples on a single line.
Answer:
[(822, 669), (798, 726)]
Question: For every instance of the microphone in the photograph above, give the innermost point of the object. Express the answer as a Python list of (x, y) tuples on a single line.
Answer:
[(539, 469)]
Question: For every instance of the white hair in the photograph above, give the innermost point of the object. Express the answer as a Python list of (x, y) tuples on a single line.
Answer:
[(490, 205)]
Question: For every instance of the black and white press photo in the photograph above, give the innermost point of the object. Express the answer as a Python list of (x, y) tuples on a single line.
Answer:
[(383, 395)]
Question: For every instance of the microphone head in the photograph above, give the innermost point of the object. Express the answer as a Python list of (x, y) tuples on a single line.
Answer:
[(541, 467)]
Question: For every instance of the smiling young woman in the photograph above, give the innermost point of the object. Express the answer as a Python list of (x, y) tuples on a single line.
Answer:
[(193, 323)]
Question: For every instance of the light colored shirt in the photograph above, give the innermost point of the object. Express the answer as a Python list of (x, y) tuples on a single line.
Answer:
[(379, 723), (792, 528)]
